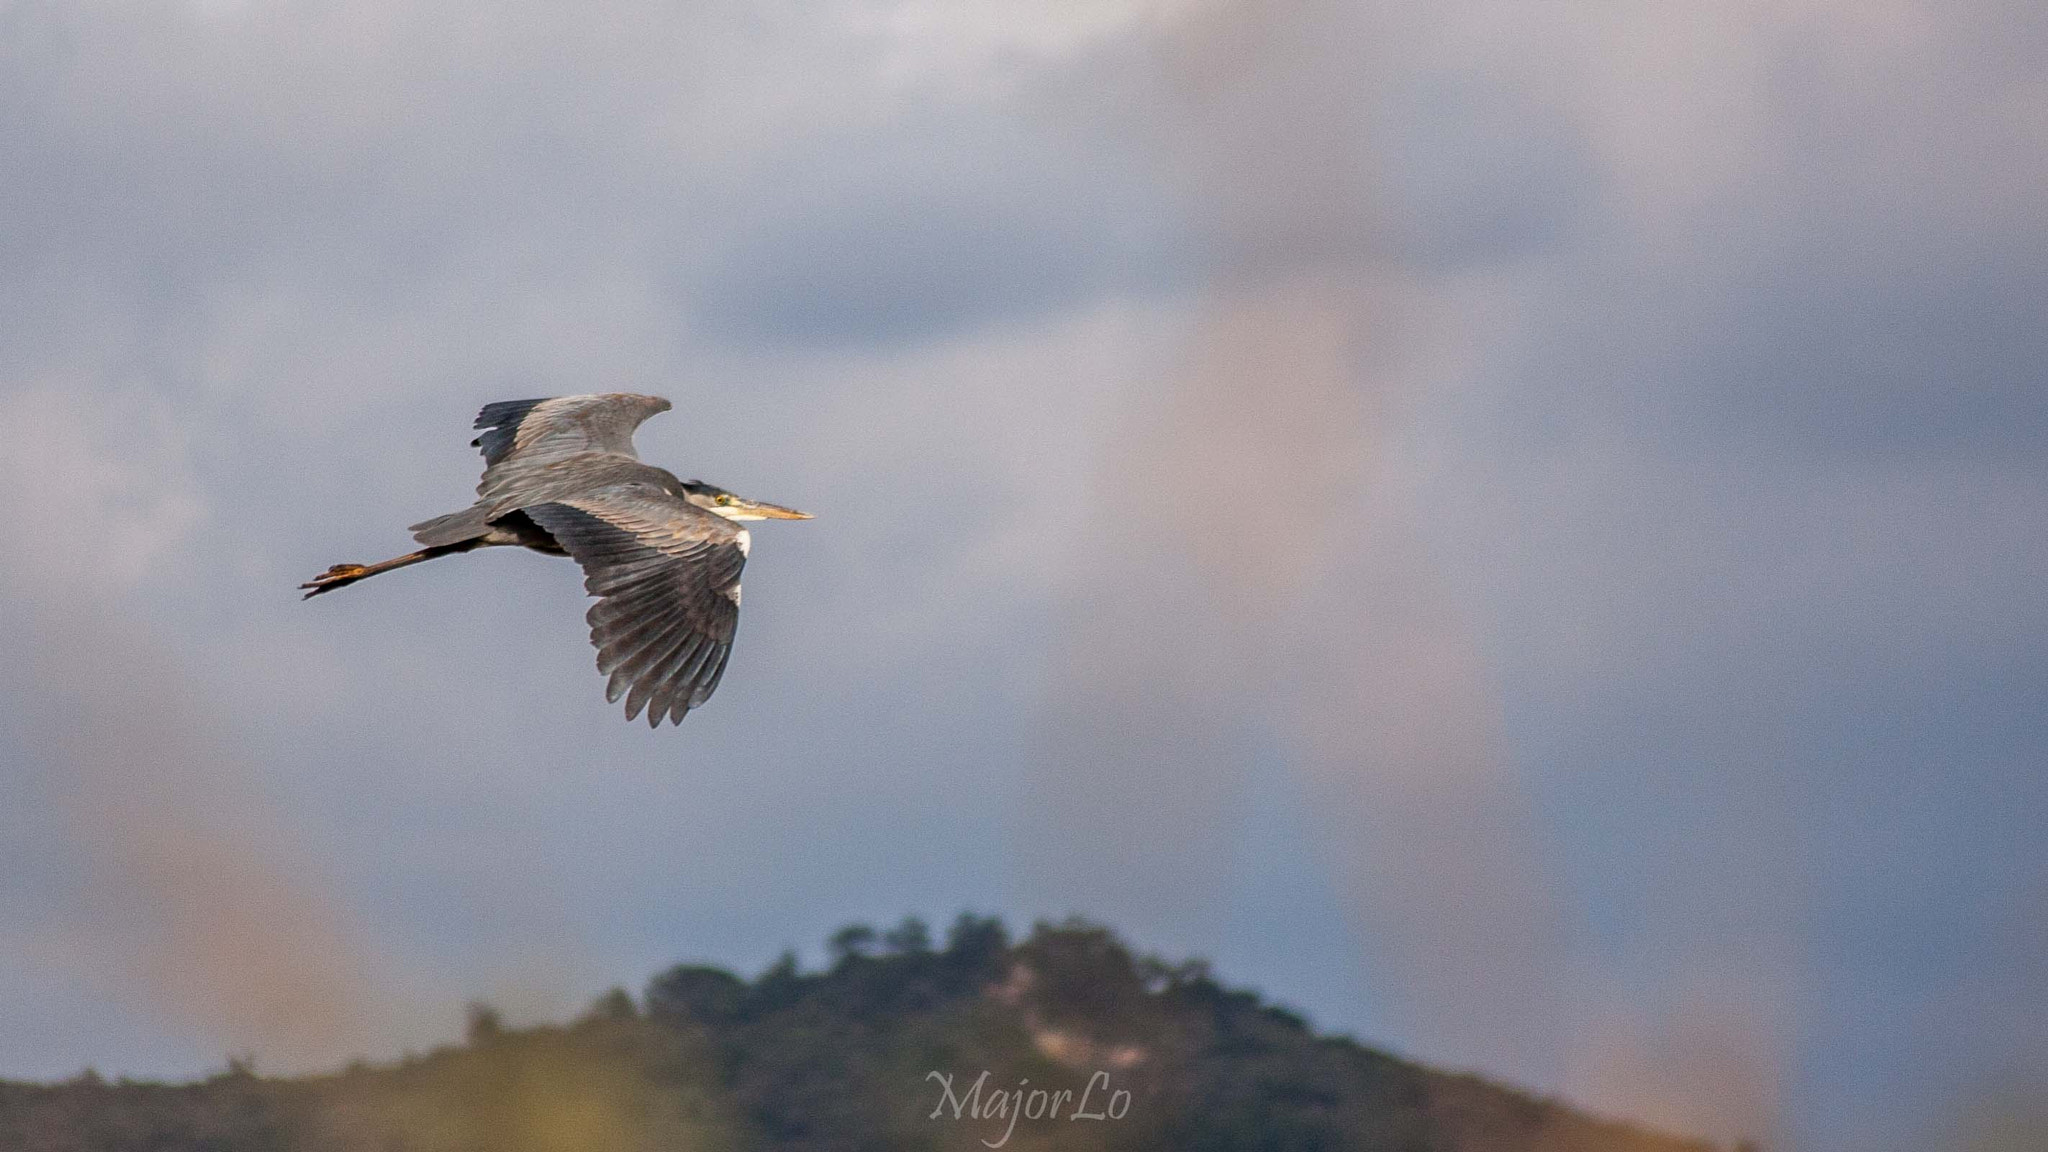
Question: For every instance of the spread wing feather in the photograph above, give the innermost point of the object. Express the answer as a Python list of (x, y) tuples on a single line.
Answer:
[(666, 575), (563, 425), (526, 446)]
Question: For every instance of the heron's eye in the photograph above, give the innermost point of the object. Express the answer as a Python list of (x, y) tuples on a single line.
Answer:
[(724, 498)]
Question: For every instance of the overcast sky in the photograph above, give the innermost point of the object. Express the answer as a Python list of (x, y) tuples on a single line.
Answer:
[(1516, 529)]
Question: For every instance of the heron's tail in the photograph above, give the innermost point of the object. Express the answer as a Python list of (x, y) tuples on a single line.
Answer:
[(344, 574), (454, 528)]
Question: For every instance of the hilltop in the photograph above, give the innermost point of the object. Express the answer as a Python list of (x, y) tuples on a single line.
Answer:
[(1064, 1040)]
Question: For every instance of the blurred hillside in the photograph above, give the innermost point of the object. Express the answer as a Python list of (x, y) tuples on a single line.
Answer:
[(856, 1057)]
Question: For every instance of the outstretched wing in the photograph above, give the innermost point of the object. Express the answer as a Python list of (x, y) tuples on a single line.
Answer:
[(667, 578), (522, 430), (525, 442)]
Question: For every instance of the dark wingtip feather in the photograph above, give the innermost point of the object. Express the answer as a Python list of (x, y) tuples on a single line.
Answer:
[(500, 421)]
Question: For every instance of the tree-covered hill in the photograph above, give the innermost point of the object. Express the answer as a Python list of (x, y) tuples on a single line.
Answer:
[(1065, 1040)]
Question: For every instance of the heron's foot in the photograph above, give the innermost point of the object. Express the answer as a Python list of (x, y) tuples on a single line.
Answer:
[(334, 578)]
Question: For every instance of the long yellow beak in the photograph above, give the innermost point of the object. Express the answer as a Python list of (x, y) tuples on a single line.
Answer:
[(778, 512)]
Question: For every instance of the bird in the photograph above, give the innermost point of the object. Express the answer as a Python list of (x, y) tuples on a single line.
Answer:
[(662, 555)]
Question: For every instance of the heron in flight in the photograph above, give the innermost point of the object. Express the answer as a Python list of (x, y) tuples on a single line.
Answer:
[(662, 555)]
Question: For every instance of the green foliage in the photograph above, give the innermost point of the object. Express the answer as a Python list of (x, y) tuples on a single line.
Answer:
[(482, 1024), (844, 1060), (909, 938), (694, 993), (851, 941), (617, 1004), (977, 951)]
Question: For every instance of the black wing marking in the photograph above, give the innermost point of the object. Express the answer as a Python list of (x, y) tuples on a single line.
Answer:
[(499, 422), (667, 576)]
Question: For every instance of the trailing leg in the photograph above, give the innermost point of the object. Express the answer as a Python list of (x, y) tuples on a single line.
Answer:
[(344, 574)]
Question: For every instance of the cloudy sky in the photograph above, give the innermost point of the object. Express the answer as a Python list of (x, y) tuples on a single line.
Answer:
[(1516, 529)]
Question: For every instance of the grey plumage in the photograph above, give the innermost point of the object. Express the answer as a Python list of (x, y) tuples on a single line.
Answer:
[(662, 555), (666, 611)]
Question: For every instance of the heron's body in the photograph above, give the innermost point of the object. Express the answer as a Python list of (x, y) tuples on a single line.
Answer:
[(663, 555)]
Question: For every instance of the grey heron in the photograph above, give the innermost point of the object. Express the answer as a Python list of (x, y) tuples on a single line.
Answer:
[(662, 555)]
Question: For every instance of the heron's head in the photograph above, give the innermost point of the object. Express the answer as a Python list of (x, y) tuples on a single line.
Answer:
[(714, 499)]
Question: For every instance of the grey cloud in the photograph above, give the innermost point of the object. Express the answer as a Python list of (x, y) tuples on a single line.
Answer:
[(1889, 361), (1477, 172), (1855, 277), (930, 223), (205, 154)]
